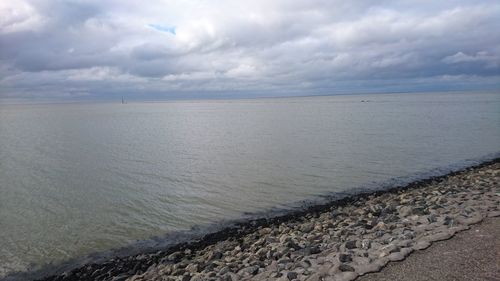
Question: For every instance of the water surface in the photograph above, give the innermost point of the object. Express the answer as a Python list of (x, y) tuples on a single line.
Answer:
[(81, 178)]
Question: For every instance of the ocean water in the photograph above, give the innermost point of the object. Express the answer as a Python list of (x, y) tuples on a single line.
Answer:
[(82, 178)]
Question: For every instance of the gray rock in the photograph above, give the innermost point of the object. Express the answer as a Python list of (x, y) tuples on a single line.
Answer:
[(366, 244), (344, 267), (193, 268), (449, 221), (120, 277), (224, 270), (308, 227), (314, 277), (350, 244), (345, 258), (291, 275), (252, 270), (431, 218)]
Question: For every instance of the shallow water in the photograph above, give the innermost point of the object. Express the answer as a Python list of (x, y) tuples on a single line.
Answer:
[(81, 178)]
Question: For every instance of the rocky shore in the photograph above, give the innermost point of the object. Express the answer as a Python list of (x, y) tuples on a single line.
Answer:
[(338, 241)]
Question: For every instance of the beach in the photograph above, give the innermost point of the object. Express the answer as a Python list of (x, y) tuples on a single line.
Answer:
[(341, 240)]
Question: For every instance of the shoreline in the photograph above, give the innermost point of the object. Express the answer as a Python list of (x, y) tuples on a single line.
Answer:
[(124, 267)]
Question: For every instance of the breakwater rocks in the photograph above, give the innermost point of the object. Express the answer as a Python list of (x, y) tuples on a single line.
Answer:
[(339, 241)]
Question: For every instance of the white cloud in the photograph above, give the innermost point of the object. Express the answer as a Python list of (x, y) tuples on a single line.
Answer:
[(489, 60), (248, 46), (19, 16)]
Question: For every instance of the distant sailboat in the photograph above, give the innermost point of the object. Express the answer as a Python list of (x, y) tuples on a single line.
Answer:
[(123, 101)]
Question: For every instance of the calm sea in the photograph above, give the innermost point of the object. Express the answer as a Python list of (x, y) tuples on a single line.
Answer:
[(82, 178)]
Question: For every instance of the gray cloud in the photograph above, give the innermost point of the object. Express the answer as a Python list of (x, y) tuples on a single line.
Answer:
[(100, 49)]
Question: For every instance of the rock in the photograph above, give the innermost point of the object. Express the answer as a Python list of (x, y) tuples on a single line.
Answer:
[(174, 256), (421, 245), (493, 214), (431, 218), (284, 238), (308, 227), (380, 226), (121, 277), (224, 270), (345, 258), (391, 248), (198, 277), (350, 244), (314, 277), (449, 221), (396, 257), (193, 268), (404, 211), (312, 250), (252, 270), (344, 267), (304, 264), (265, 231), (261, 252), (291, 275), (365, 244)]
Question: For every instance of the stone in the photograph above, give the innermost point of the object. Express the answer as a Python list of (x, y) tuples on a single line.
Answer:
[(381, 226), (314, 277), (120, 277), (345, 267), (366, 244), (308, 227), (449, 221), (291, 275), (252, 270), (350, 244), (404, 211), (193, 268), (345, 258)]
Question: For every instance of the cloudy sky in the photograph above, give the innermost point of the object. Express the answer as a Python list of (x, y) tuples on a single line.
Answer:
[(164, 49)]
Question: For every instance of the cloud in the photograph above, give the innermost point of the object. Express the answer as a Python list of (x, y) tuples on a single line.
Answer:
[(490, 61), (102, 48)]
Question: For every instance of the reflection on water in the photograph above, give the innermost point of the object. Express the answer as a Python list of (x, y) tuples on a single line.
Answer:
[(80, 178)]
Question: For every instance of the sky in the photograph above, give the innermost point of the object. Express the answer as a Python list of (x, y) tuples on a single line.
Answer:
[(162, 49)]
